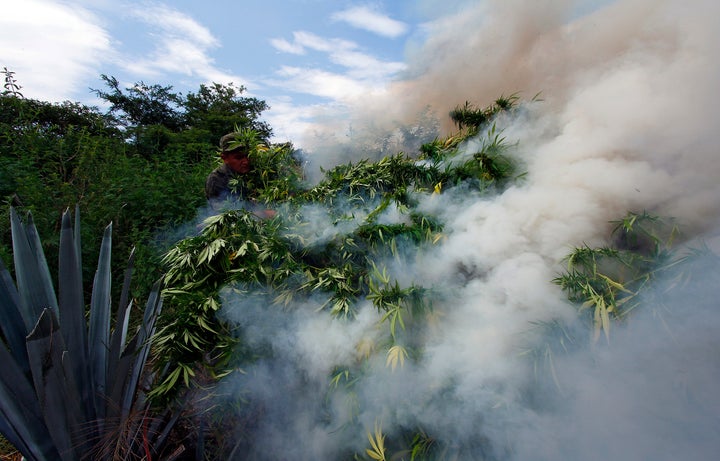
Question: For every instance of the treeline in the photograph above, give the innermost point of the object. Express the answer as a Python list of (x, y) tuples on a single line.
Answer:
[(140, 165)]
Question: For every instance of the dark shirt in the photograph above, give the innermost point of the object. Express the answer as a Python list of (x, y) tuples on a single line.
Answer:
[(217, 185)]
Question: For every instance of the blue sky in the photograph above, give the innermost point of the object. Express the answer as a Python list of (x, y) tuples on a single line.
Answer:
[(295, 54), (327, 68)]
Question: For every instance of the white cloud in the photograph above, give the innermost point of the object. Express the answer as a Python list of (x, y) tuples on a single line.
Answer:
[(182, 46), (286, 47), (345, 53), (362, 65), (321, 83), (176, 24), (51, 48), (362, 75), (368, 19), (292, 121)]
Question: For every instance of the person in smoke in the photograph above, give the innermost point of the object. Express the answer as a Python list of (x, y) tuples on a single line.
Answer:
[(235, 154)]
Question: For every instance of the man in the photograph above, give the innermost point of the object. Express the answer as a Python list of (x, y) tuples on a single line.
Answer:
[(235, 155), (236, 162)]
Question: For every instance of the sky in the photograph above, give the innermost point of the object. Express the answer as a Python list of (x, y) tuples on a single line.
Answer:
[(312, 61), (298, 55), (626, 121)]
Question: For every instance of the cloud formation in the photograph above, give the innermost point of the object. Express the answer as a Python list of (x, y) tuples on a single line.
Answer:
[(349, 74), (366, 18), (181, 45), (345, 53), (79, 45)]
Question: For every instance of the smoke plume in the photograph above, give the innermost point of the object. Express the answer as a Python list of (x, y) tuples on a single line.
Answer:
[(625, 123)]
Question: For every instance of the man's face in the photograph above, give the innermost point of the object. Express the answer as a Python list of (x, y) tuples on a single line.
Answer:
[(237, 161)]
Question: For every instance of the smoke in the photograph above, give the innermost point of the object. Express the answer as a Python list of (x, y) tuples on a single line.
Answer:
[(650, 394), (626, 123)]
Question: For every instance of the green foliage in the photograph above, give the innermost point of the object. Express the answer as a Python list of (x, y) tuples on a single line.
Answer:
[(610, 280), (142, 165), (143, 105), (282, 259), (473, 117), (144, 109), (276, 174), (215, 108), (71, 388), (10, 86), (233, 247)]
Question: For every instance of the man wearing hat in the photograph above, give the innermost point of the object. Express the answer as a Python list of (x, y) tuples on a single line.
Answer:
[(234, 152), (235, 163)]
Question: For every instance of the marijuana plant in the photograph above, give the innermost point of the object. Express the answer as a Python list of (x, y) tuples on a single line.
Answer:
[(328, 246), (609, 280)]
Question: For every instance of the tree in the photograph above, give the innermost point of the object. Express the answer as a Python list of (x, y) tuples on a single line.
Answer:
[(217, 108), (11, 86), (155, 118), (144, 105)]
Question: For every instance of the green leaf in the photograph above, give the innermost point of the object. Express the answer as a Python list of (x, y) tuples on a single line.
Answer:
[(21, 420), (99, 337), (11, 322), (122, 320), (29, 275), (72, 309), (58, 404)]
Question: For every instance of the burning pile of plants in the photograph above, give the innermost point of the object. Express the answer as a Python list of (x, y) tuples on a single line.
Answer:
[(324, 321)]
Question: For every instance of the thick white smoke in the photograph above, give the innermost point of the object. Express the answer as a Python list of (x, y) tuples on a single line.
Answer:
[(627, 124)]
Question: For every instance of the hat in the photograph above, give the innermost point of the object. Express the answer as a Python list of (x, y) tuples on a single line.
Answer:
[(230, 143)]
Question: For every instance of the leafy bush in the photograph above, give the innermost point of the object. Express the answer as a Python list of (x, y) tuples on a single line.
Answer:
[(142, 165), (282, 260), (609, 281)]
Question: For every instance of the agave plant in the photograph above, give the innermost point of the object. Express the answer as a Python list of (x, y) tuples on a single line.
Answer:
[(70, 387)]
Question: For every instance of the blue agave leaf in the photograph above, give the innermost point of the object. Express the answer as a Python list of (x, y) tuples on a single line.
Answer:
[(21, 420), (12, 325), (99, 338), (29, 275), (122, 318), (58, 402), (143, 338), (72, 314)]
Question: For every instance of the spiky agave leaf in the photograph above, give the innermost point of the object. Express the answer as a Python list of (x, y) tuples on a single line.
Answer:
[(142, 345), (55, 387), (72, 310), (31, 272), (21, 419), (122, 321), (50, 406), (99, 328), (12, 325)]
